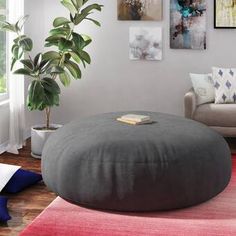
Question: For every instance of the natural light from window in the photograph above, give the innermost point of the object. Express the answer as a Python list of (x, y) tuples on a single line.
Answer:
[(3, 82)]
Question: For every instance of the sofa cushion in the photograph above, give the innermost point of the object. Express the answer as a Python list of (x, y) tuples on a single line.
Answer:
[(211, 114), (225, 85), (204, 87)]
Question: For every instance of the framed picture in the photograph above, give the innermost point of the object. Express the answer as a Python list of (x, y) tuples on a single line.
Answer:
[(149, 10), (188, 24), (145, 43), (225, 14)]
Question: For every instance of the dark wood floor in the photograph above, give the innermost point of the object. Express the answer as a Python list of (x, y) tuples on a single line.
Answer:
[(25, 206), (28, 204)]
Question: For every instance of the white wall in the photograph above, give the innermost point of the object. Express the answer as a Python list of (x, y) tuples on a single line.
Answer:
[(113, 82)]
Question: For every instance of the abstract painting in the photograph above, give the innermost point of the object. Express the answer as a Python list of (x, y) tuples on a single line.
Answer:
[(225, 14), (139, 9), (188, 24), (145, 43)]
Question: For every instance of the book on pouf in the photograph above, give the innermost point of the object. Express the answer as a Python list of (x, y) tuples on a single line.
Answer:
[(134, 119)]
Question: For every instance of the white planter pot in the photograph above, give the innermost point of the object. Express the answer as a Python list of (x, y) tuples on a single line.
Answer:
[(39, 138)]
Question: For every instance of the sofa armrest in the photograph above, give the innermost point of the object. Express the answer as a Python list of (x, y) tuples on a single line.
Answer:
[(190, 104)]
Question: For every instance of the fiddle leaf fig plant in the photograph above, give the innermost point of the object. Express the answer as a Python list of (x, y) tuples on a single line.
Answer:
[(61, 63)]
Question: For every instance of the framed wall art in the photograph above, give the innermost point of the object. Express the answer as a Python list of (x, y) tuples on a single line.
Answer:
[(188, 24), (145, 43), (225, 14), (139, 10)]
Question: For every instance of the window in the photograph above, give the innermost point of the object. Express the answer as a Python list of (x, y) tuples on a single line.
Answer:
[(3, 55)]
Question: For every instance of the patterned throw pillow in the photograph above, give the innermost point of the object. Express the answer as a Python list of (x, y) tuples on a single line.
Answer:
[(225, 85), (203, 87)]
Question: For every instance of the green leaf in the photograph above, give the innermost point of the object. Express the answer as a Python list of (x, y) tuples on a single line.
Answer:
[(43, 93), (85, 56), (59, 21), (20, 23), (67, 56), (51, 44), (38, 59), (65, 79), (28, 64), (78, 41), (21, 53), (51, 99), (74, 3), (60, 31), (55, 62), (77, 4), (13, 63), (87, 39), (15, 52), (51, 91), (94, 21), (36, 96), (16, 40), (79, 18), (51, 85), (22, 71), (69, 5), (64, 44), (54, 38), (91, 7), (26, 44), (8, 27), (13, 47), (51, 55), (44, 65), (73, 69), (75, 56), (56, 70)]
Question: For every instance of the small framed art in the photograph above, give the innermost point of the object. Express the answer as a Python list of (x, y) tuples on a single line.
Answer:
[(149, 10), (145, 43), (225, 14)]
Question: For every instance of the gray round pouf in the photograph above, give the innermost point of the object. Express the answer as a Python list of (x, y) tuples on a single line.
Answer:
[(101, 163)]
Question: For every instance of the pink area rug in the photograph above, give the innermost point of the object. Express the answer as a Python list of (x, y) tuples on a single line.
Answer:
[(216, 217)]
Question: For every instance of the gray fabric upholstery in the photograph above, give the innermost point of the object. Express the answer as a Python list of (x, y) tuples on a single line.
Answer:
[(220, 117), (101, 163)]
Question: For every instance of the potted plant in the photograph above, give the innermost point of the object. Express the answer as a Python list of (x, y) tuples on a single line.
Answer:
[(61, 63)]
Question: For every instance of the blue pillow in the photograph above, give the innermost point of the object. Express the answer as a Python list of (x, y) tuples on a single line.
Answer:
[(4, 216), (21, 180)]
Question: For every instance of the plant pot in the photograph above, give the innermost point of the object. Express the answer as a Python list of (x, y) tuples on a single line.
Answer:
[(39, 137)]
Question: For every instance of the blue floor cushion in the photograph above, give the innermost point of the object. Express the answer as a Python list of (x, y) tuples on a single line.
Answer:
[(4, 216), (21, 180)]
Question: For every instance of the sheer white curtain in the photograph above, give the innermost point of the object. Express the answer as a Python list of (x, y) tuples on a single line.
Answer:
[(16, 88)]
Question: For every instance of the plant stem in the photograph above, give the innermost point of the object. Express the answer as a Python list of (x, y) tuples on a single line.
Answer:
[(48, 113)]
